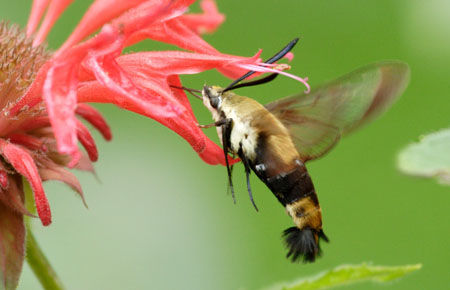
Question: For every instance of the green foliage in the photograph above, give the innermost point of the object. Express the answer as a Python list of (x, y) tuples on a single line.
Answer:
[(349, 274), (430, 157)]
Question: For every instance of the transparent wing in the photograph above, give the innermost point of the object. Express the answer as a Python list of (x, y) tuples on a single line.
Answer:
[(317, 120)]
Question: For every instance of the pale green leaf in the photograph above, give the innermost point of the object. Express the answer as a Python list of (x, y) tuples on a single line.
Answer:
[(349, 274), (430, 157)]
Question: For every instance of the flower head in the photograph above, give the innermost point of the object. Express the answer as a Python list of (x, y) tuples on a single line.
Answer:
[(27, 143), (94, 70), (43, 94), (28, 147)]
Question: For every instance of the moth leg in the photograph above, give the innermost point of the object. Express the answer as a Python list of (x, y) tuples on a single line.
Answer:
[(226, 132), (215, 124), (247, 174), (231, 171)]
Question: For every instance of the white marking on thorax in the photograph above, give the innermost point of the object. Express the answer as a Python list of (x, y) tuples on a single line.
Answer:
[(260, 167), (242, 133), (215, 115)]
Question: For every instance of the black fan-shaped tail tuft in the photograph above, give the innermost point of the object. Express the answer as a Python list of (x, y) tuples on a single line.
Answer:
[(302, 244)]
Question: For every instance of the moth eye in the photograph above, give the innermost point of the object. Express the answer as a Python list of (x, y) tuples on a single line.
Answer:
[(215, 101)]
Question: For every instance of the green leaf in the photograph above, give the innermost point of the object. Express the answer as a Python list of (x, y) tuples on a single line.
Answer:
[(349, 274), (430, 157), (12, 247)]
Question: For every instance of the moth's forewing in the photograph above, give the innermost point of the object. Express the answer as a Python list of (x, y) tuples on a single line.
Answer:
[(317, 120), (394, 80)]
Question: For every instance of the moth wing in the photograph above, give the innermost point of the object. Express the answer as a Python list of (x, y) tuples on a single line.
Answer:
[(317, 120)]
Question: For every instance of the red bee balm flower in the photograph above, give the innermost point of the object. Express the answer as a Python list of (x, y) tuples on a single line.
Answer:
[(41, 94), (27, 143), (94, 71), (28, 146), (40, 101)]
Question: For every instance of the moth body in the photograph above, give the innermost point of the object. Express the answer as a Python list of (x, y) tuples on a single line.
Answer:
[(265, 145), (276, 140)]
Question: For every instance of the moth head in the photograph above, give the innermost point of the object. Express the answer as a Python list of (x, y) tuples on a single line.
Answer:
[(212, 97)]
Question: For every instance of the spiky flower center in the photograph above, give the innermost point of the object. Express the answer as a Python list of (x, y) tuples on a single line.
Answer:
[(19, 60), (19, 64)]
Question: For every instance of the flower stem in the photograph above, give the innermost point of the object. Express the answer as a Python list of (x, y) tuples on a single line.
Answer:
[(40, 265), (35, 256)]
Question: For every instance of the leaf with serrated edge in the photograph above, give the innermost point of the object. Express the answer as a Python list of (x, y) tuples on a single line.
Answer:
[(349, 274)]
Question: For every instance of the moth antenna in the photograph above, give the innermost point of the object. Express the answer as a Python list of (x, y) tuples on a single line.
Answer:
[(190, 91), (273, 59)]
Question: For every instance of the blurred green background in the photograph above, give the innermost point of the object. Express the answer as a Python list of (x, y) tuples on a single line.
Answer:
[(159, 218)]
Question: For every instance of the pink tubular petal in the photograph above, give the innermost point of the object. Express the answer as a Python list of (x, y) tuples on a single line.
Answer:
[(28, 141), (60, 89), (145, 15), (150, 12), (55, 9), (172, 62), (37, 10), (94, 117), (156, 102), (179, 62), (99, 13), (60, 97), (111, 75), (206, 22), (183, 31), (87, 141), (173, 32), (177, 33), (184, 125), (23, 163)]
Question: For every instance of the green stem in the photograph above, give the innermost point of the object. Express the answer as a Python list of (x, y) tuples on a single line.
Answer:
[(35, 256), (40, 265)]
